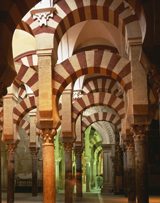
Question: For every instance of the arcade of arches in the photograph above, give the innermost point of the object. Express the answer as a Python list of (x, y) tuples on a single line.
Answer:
[(79, 110)]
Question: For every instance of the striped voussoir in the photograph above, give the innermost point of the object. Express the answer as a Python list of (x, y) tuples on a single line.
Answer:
[(69, 13), (22, 108), (102, 84), (88, 62), (29, 59), (27, 73), (101, 116), (22, 92), (96, 99), (25, 125)]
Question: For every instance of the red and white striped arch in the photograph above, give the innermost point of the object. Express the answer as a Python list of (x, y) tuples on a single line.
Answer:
[(29, 59), (96, 99), (29, 77), (22, 92), (88, 62), (25, 125), (22, 108), (27, 72), (69, 13), (102, 84), (101, 116)]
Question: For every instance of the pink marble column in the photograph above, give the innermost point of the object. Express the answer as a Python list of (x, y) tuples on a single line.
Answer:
[(131, 184), (78, 153), (141, 163), (124, 170), (69, 182), (49, 183), (34, 152), (10, 172)]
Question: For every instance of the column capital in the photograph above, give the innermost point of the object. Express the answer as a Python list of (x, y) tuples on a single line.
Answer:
[(139, 132), (129, 141), (68, 146), (78, 150), (48, 135), (139, 129)]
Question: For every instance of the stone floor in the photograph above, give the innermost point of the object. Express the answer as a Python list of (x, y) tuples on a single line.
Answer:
[(87, 198)]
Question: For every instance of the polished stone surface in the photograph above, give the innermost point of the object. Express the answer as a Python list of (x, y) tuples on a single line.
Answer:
[(88, 198)]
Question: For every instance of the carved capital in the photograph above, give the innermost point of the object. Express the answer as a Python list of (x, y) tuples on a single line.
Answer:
[(140, 132), (78, 151), (129, 141), (68, 146), (48, 135)]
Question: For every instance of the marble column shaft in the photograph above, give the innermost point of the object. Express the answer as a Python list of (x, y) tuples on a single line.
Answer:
[(69, 182), (131, 184), (78, 153), (10, 172), (118, 165), (88, 178), (125, 170), (141, 163), (34, 171), (49, 184), (107, 171)]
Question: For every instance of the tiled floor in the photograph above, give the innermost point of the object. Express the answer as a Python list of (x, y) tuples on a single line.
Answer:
[(87, 198)]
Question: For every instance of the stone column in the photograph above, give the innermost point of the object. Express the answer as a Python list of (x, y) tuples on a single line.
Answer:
[(141, 163), (10, 172), (78, 153), (34, 153), (88, 176), (107, 170), (69, 183), (131, 184), (49, 186), (118, 170), (125, 170)]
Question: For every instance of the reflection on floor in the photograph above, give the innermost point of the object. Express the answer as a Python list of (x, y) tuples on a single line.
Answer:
[(87, 198)]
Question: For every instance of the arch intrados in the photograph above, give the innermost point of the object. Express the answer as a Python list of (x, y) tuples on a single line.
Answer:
[(63, 25)]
